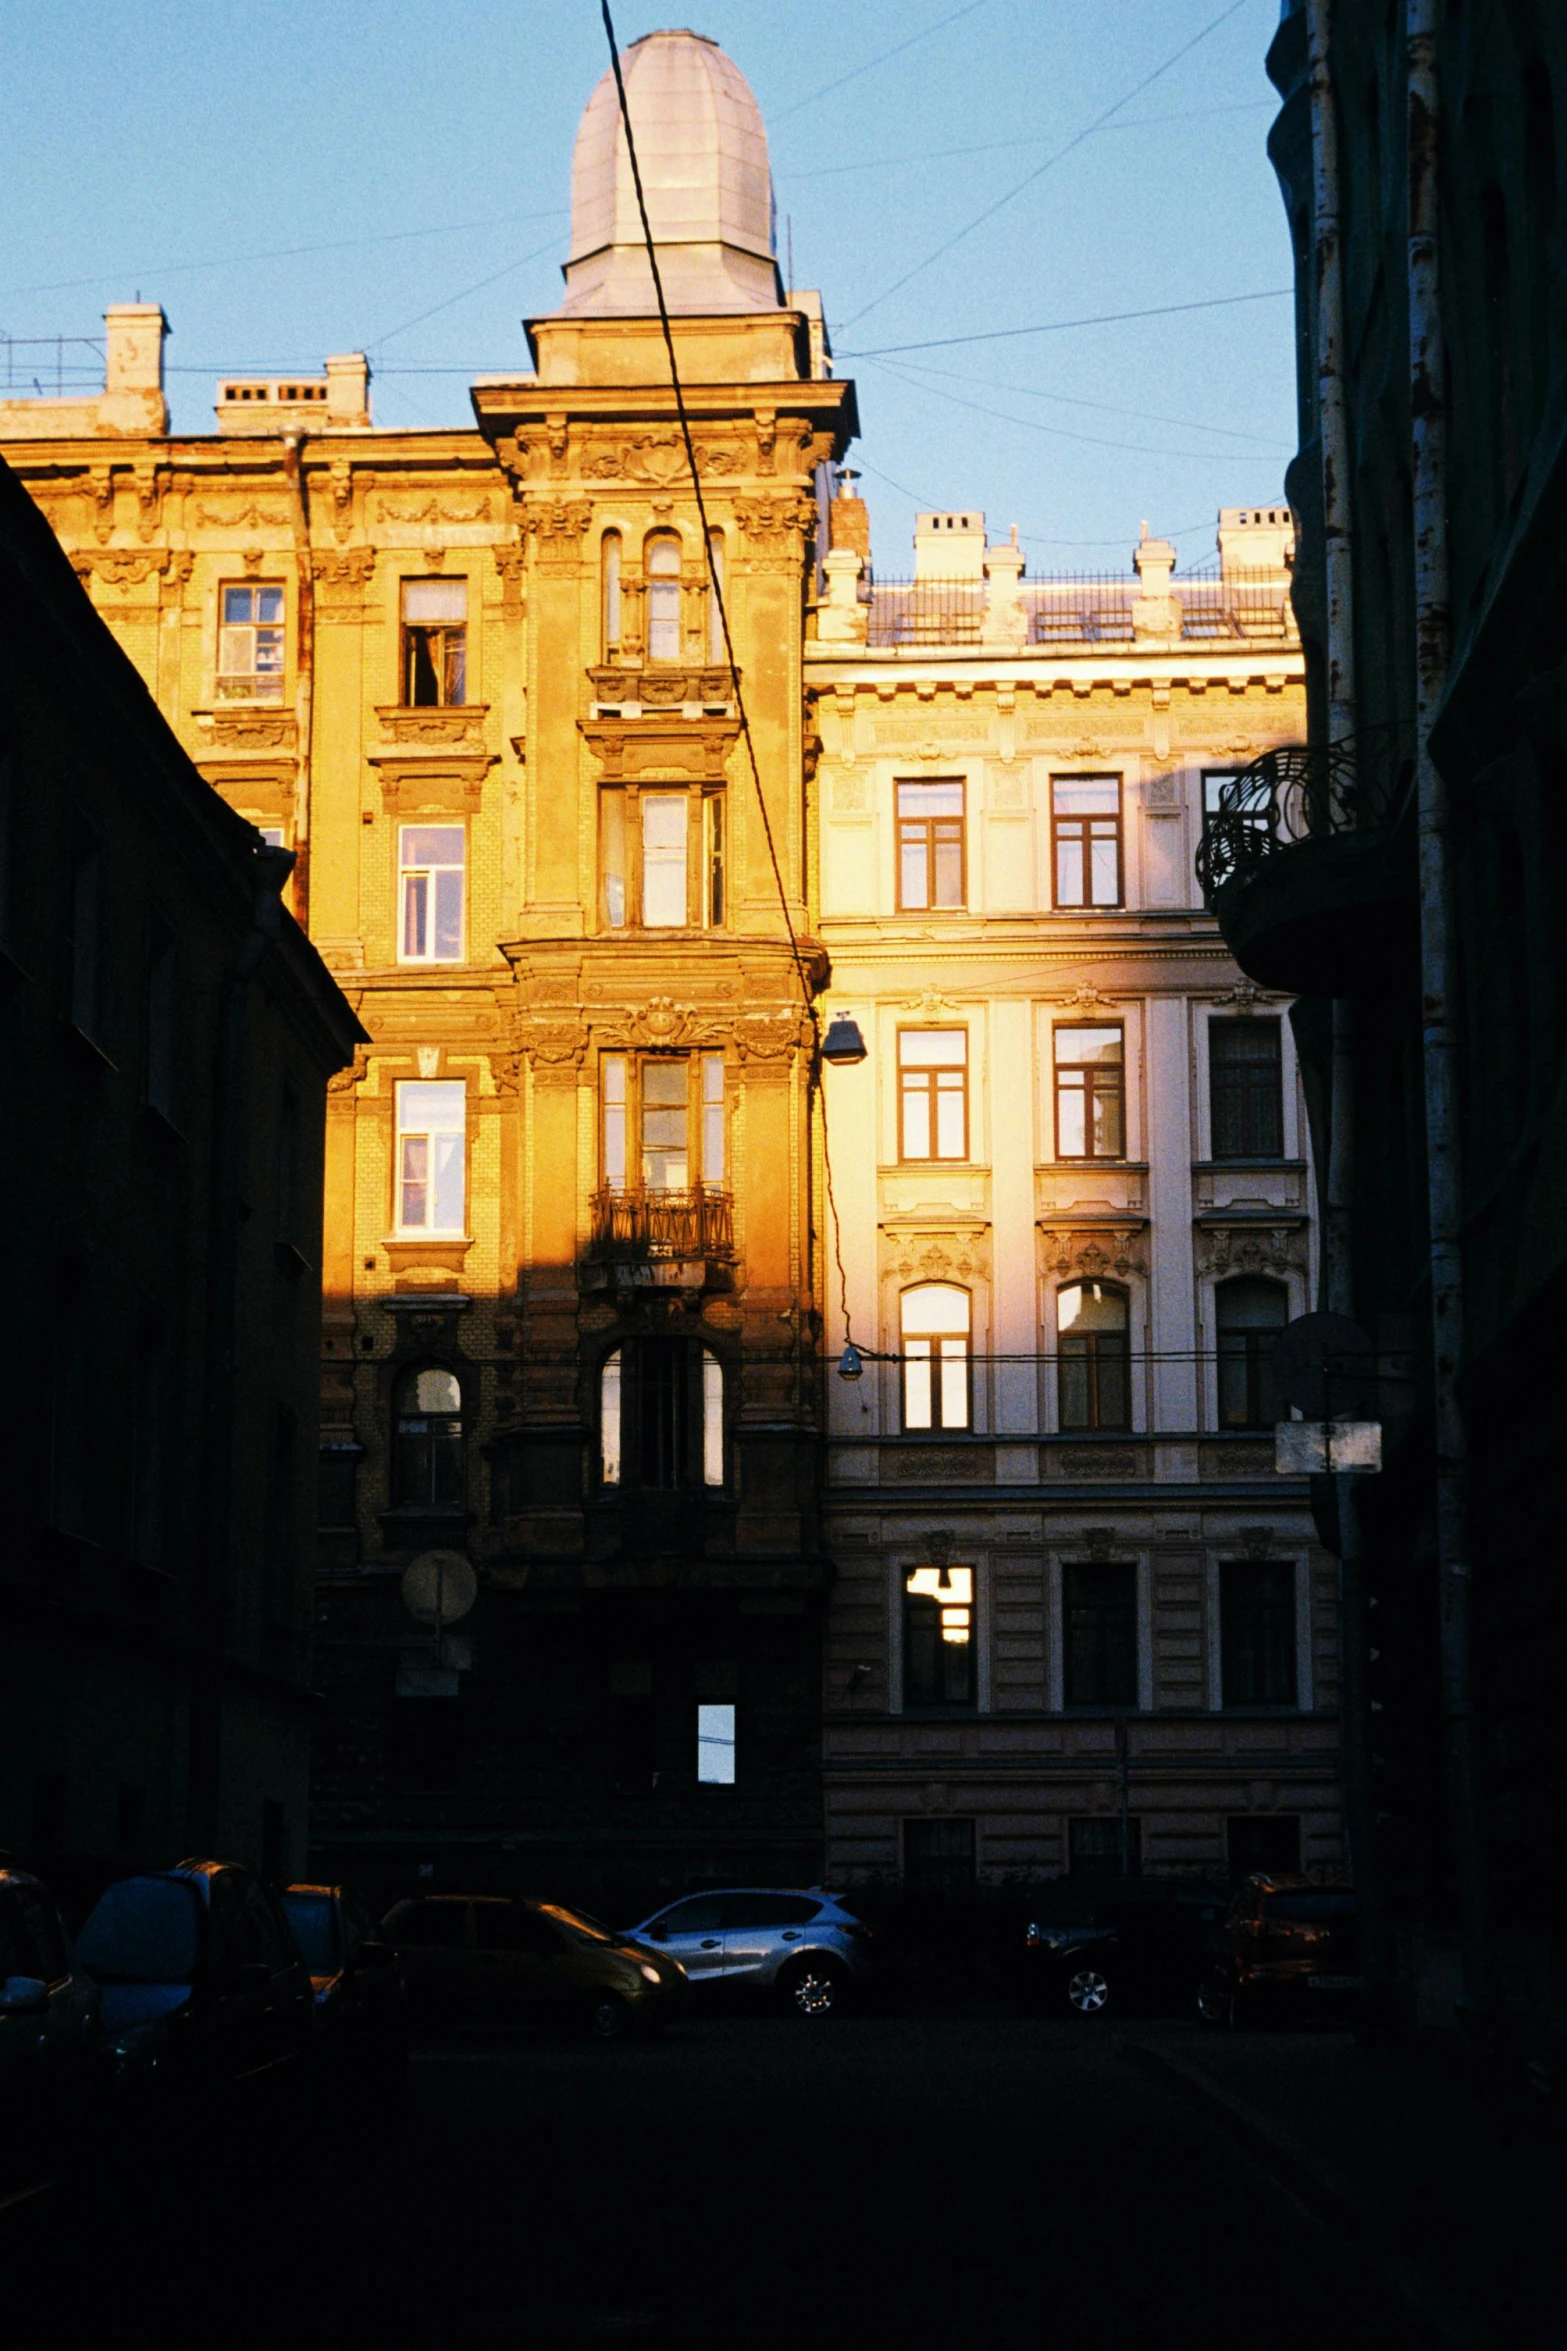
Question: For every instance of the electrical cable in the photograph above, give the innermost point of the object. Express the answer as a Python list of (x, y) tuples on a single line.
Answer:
[(1049, 164), (854, 73), (917, 159), (1060, 326), (717, 590), (1056, 432)]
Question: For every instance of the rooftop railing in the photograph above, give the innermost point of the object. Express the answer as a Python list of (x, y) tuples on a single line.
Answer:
[(1088, 608), (926, 612)]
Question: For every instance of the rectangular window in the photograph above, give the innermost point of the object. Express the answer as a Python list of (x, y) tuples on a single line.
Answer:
[(713, 859), (1105, 1848), (717, 652), (612, 852), (715, 1746), (1246, 1089), (431, 864), (938, 1637), (1099, 1636), (431, 1132), (1257, 1632), (159, 1036), (435, 642), (1085, 840), (612, 1094), (931, 869), (938, 1856), (250, 644), (712, 1118), (933, 1094), (934, 1326), (664, 859), (666, 1157), (1090, 1093), (712, 1420)]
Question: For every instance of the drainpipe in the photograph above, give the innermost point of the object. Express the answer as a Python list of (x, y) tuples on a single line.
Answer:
[(304, 670), (1428, 428), (226, 1212), (1338, 551)]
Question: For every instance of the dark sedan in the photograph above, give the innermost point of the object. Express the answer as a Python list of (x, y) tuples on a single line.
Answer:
[(488, 1960), (361, 2007), (1140, 1947), (203, 1984)]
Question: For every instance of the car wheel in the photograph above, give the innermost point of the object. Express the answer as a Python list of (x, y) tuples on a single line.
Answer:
[(609, 2018), (814, 1988), (1216, 2003), (1088, 1991)]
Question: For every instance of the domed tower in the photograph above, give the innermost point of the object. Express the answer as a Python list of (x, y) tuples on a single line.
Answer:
[(703, 156), (668, 1276)]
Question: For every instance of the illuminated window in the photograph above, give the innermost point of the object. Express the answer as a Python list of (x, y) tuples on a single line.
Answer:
[(431, 889), (431, 1134), (663, 599), (933, 1093), (930, 847), (1085, 840), (250, 644), (938, 1637), (609, 1420), (715, 1746), (427, 1440), (435, 642), (1090, 1093), (935, 1323), (1094, 1361)]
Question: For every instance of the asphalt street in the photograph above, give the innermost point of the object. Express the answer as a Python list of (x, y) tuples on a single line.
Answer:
[(990, 2182)]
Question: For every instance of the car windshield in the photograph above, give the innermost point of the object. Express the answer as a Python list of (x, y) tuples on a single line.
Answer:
[(578, 1922), (310, 1916), (1308, 1908), (142, 1931)]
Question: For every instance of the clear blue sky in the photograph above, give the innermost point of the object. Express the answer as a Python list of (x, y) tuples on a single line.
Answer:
[(422, 156)]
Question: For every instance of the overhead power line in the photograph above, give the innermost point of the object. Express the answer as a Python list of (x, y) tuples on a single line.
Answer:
[(1049, 164), (1060, 326), (854, 73), (916, 158)]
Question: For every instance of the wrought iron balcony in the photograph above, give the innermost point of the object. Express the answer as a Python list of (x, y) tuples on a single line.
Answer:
[(1295, 864), (637, 1223)]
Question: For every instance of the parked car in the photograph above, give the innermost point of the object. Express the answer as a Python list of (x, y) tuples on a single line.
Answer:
[(1286, 1944), (203, 1984), (486, 1959), (1140, 1946), (806, 1948), (49, 2039), (361, 2006)]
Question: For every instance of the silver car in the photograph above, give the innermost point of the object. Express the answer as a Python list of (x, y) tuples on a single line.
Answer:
[(805, 1947)]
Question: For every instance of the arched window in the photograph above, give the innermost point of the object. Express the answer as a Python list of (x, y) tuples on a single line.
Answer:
[(715, 581), (935, 1357), (427, 1440), (609, 1420), (611, 576), (1094, 1361), (1249, 1316), (663, 598)]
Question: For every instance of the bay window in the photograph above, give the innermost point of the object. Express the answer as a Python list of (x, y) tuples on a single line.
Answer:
[(662, 856)]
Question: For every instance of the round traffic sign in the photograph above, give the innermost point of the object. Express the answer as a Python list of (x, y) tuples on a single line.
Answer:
[(439, 1587)]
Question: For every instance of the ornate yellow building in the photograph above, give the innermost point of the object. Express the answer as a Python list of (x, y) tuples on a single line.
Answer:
[(578, 1311), (476, 681)]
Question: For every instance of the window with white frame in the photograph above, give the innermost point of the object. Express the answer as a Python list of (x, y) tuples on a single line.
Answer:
[(250, 643), (933, 1093), (935, 1349), (1085, 841), (664, 859), (431, 1138), (430, 890), (663, 599)]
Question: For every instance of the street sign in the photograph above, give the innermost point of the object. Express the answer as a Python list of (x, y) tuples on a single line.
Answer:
[(439, 1588), (1325, 1365), (1308, 1448)]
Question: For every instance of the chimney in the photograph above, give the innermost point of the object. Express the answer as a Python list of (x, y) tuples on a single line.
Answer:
[(133, 400), (347, 392)]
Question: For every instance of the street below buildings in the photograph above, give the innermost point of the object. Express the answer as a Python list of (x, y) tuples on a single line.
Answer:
[(981, 2181)]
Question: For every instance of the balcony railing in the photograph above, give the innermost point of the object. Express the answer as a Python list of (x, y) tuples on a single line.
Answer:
[(645, 1222), (1298, 792)]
